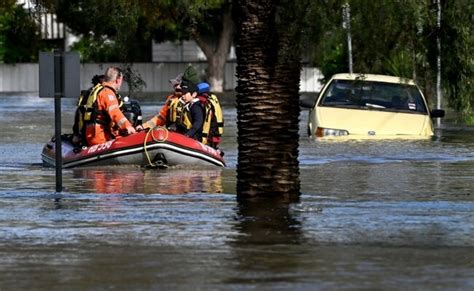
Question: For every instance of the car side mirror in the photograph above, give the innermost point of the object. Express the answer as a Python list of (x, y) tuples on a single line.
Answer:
[(306, 103), (437, 113)]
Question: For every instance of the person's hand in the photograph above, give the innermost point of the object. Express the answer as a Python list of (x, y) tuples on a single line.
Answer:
[(130, 130), (173, 127), (139, 128)]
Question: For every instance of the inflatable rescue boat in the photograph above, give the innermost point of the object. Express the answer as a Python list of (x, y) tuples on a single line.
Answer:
[(158, 147)]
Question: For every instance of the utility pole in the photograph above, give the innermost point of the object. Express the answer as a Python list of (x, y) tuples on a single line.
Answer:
[(346, 24), (438, 60)]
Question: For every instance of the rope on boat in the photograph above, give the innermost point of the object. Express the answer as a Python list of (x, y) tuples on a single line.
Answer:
[(154, 139)]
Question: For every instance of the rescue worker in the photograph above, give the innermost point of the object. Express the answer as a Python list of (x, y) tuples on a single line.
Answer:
[(171, 110), (192, 119), (213, 127), (160, 118), (107, 114), (78, 137)]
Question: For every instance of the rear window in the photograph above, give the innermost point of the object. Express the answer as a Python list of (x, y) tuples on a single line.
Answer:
[(373, 95)]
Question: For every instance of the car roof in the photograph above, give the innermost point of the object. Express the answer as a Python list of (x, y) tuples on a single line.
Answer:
[(373, 77)]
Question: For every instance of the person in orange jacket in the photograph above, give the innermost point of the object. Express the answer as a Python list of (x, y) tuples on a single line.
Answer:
[(160, 118), (107, 114), (163, 118)]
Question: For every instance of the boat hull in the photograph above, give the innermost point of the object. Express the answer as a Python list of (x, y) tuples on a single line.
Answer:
[(158, 147)]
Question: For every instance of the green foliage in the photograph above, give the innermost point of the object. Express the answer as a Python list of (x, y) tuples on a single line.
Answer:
[(400, 64), (122, 30), (109, 29), (398, 38), (323, 38), (335, 60), (384, 36), (19, 34), (96, 50), (457, 38)]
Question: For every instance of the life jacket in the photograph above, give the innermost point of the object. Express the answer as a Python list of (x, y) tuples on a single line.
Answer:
[(78, 127), (92, 113), (88, 112), (185, 121), (213, 118), (175, 111)]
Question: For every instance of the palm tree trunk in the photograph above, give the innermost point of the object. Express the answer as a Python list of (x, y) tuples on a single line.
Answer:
[(268, 72)]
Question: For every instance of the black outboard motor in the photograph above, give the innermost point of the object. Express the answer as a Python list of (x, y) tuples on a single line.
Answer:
[(132, 111)]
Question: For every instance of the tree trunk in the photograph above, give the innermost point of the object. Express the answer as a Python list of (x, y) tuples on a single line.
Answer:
[(216, 67), (217, 53), (268, 72)]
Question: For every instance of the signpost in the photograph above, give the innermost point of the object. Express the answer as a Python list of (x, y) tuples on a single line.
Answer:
[(59, 76)]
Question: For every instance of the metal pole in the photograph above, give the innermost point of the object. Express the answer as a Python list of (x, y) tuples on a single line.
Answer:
[(438, 61), (346, 23), (57, 119)]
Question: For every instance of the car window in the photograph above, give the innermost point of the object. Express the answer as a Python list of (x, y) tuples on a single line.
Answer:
[(373, 95)]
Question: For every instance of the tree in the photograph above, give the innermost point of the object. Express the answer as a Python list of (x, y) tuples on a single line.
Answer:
[(208, 22), (457, 63), (391, 48), (114, 26), (124, 29), (215, 48), (19, 35), (399, 38), (325, 41), (268, 48)]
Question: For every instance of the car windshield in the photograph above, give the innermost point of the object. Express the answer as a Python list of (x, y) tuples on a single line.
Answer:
[(374, 95)]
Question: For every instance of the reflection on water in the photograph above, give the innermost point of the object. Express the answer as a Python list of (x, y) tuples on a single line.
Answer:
[(148, 181), (373, 215), (266, 222), (267, 236)]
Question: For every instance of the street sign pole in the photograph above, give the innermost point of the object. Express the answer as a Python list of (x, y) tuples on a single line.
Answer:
[(438, 59), (57, 119), (59, 77)]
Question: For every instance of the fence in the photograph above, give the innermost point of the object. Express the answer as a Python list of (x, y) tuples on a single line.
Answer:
[(23, 78)]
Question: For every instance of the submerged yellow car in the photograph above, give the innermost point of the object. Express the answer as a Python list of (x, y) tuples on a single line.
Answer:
[(370, 106)]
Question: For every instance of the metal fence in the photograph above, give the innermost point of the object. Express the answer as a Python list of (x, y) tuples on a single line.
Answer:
[(23, 78)]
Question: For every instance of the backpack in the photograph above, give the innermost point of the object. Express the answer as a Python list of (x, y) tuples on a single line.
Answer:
[(78, 127)]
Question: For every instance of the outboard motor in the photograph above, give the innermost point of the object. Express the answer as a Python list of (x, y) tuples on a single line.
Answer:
[(132, 111)]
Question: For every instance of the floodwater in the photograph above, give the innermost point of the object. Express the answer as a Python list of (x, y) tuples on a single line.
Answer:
[(380, 215)]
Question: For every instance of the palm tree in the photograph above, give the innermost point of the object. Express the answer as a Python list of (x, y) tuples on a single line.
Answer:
[(268, 71)]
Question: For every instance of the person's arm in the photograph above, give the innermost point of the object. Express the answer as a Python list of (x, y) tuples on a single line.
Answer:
[(197, 119), (157, 120), (160, 118)]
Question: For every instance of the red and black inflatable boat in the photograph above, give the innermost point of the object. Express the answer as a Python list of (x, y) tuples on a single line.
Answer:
[(157, 147)]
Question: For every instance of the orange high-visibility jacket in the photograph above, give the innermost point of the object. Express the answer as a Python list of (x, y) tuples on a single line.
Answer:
[(160, 118), (107, 104)]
